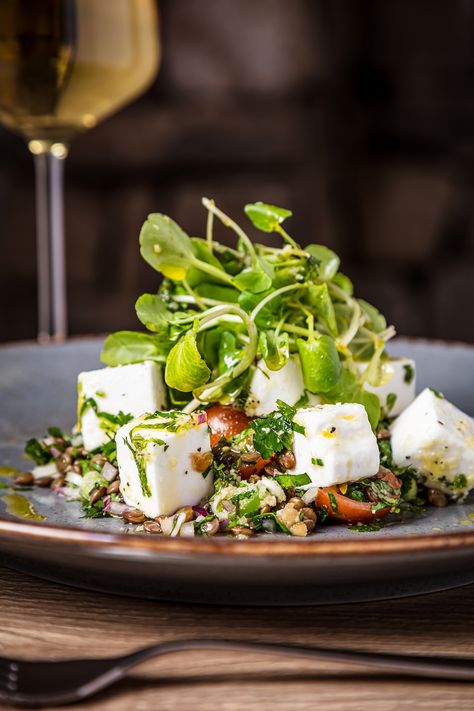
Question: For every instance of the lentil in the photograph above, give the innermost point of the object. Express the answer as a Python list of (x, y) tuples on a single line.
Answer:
[(210, 528), (437, 498), (97, 494), (63, 462), (287, 460), (24, 479), (152, 526), (134, 516), (241, 531), (114, 487), (44, 481), (188, 511)]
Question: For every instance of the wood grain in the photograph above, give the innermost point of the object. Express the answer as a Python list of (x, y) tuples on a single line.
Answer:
[(46, 621)]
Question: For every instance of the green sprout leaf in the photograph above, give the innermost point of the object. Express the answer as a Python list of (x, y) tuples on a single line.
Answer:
[(201, 250), (328, 261), (320, 363), (166, 247), (319, 299), (153, 312), (265, 217), (185, 368), (375, 319), (126, 347), (254, 280)]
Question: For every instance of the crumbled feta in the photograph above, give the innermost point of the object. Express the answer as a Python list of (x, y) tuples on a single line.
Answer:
[(162, 461), (437, 439), (338, 444), (130, 389), (399, 391)]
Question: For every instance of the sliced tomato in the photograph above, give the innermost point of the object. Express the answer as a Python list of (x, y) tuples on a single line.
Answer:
[(226, 421), (347, 509)]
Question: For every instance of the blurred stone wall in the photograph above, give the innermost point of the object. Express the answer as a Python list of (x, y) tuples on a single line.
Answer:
[(358, 115)]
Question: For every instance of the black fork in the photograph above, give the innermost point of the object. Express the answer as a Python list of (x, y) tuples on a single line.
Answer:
[(25, 683)]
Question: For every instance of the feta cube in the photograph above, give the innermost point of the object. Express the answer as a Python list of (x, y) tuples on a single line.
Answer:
[(162, 460), (437, 439), (267, 386), (338, 444), (131, 389), (402, 374)]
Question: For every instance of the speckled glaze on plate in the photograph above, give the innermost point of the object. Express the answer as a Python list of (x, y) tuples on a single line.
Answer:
[(421, 553)]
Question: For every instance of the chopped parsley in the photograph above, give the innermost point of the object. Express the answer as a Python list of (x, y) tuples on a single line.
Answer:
[(409, 373), (317, 462), (436, 393), (290, 481), (274, 432), (391, 400), (333, 502)]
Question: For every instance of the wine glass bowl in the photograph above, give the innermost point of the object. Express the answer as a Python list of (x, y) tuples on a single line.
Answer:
[(65, 65)]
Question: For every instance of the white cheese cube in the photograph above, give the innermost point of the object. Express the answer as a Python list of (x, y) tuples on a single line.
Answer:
[(267, 386), (162, 461), (437, 439), (402, 374), (338, 444), (131, 389)]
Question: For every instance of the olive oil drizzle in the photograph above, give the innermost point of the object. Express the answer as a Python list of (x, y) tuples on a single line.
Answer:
[(19, 506)]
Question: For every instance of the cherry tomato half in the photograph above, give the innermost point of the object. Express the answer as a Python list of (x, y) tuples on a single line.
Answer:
[(348, 510), (226, 421)]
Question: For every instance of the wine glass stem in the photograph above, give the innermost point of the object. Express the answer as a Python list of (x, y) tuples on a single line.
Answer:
[(52, 305)]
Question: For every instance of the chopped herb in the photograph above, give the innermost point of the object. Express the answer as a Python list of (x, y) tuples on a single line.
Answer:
[(460, 481), (274, 432), (274, 517), (317, 462), (290, 481), (93, 510), (333, 502), (391, 400), (436, 393), (409, 373), (37, 451), (366, 527), (56, 432)]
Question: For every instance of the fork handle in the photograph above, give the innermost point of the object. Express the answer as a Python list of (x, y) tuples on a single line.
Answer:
[(459, 668)]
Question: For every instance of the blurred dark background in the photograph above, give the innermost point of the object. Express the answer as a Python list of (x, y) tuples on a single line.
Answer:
[(355, 114)]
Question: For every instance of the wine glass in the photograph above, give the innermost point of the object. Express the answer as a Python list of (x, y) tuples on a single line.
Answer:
[(64, 66)]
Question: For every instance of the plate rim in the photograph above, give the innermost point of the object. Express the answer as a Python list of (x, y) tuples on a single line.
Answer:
[(21, 531)]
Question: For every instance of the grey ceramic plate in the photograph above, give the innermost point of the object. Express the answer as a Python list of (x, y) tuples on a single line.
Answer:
[(422, 553)]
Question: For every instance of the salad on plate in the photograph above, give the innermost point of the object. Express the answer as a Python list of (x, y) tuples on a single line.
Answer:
[(258, 397)]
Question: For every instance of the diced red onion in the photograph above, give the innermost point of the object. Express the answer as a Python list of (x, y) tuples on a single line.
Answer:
[(115, 508), (223, 524), (48, 441), (201, 417), (200, 511), (109, 472), (54, 451)]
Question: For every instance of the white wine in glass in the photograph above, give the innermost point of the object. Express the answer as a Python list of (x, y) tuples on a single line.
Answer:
[(64, 66)]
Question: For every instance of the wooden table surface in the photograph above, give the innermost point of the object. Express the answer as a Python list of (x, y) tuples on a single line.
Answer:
[(47, 621)]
